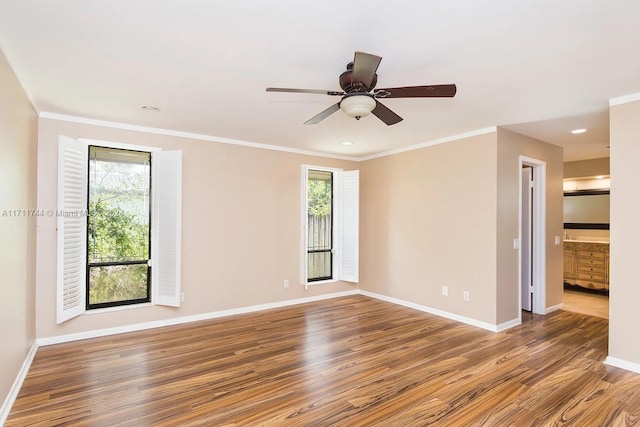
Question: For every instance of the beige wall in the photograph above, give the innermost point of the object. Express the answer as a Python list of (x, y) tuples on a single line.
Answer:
[(592, 167), (428, 219), (511, 146), (241, 227), (18, 125), (447, 215), (624, 297)]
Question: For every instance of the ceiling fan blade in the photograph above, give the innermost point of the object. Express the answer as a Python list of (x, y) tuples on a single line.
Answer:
[(386, 115), (432, 91), (316, 91), (323, 115), (365, 66)]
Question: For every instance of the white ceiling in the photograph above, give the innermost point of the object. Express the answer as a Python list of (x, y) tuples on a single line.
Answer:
[(539, 67)]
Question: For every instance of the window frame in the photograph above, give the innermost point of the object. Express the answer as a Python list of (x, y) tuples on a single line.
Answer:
[(89, 265), (341, 236), (332, 250)]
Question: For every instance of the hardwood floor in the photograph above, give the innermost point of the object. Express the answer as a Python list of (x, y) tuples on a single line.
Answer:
[(586, 303), (352, 361)]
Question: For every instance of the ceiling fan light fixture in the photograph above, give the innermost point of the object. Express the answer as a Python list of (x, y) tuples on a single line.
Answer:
[(357, 106)]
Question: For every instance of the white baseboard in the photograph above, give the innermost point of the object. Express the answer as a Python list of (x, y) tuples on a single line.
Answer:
[(17, 384), (441, 313), (508, 325), (554, 308), (185, 319), (619, 363)]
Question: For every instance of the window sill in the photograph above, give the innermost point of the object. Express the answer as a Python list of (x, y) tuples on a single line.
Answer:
[(320, 282), (119, 308)]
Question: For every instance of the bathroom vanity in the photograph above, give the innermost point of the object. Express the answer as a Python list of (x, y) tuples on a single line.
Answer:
[(586, 264)]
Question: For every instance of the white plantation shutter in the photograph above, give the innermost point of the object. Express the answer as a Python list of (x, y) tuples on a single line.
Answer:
[(350, 226), (72, 230), (304, 225), (166, 227)]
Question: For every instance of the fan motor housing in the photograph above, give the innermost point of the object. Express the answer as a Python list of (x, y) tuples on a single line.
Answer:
[(348, 85)]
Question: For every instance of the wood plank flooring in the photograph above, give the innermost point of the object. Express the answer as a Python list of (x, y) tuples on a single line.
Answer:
[(586, 303), (352, 361)]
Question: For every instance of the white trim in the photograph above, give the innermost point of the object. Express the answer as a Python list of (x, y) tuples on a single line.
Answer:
[(430, 143), (186, 319), (624, 99), (188, 135), (118, 308), (554, 308), (320, 282), (121, 145), (538, 237), (17, 384), (509, 324), (623, 364), (250, 309), (430, 310), (202, 137)]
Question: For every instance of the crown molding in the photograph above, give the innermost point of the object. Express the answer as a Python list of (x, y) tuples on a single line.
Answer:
[(464, 135), (188, 135), (210, 138), (624, 99)]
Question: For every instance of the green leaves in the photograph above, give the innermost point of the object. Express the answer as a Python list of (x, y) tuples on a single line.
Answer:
[(319, 197), (115, 234)]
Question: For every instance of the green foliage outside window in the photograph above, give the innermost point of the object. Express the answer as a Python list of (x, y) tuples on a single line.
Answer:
[(319, 197), (118, 226)]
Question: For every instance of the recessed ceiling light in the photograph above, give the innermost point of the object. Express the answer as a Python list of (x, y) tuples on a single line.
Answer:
[(578, 131), (149, 108), (347, 143)]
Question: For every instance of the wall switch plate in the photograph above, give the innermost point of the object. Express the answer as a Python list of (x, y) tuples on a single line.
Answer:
[(445, 291), (557, 240), (181, 296), (516, 243), (286, 283), (465, 295)]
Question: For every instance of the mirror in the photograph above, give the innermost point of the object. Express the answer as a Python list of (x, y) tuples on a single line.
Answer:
[(586, 209)]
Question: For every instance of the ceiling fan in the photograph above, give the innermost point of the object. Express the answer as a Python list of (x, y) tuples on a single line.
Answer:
[(359, 97)]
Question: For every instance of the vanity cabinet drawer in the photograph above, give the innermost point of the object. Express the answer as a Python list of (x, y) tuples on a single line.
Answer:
[(593, 277), (590, 261), (591, 269), (591, 254)]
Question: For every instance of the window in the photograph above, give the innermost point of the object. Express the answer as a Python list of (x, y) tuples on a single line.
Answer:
[(319, 225), (125, 246), (330, 225), (118, 227)]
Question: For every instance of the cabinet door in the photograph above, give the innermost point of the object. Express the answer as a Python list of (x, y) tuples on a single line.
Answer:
[(570, 264)]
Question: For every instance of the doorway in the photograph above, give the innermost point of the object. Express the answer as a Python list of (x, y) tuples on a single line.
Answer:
[(531, 258)]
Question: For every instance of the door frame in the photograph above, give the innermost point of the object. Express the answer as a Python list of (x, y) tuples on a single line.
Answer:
[(538, 236)]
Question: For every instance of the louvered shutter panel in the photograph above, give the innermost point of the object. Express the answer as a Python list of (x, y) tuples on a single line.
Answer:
[(304, 225), (349, 270), (72, 230), (166, 226)]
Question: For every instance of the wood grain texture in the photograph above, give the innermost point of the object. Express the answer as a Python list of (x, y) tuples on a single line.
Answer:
[(352, 361)]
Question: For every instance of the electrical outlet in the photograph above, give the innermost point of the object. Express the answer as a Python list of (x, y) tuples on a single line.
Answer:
[(465, 295), (286, 283), (181, 296), (445, 291)]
